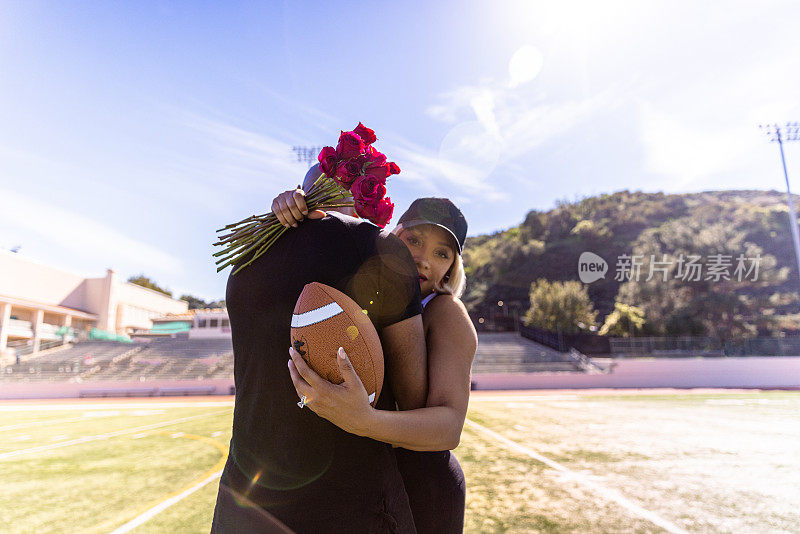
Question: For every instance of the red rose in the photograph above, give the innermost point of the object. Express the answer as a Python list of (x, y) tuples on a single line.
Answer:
[(367, 190), (373, 157), (347, 172), (327, 161), (376, 165), (350, 145), (378, 172), (366, 135), (379, 213), (383, 212), (393, 168)]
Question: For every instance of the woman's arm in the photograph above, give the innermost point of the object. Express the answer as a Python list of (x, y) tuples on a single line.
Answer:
[(451, 347)]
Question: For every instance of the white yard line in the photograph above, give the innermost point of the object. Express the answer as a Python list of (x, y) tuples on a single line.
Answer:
[(606, 492), (41, 423), (160, 507), (523, 398), (96, 437), (35, 407)]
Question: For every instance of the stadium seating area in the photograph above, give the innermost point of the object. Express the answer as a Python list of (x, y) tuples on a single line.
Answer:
[(508, 352), (107, 360), (199, 359)]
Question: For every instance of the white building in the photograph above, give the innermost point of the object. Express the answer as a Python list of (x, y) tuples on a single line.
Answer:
[(36, 300), (206, 323)]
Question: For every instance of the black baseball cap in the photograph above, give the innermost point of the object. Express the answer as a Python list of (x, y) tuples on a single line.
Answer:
[(438, 212)]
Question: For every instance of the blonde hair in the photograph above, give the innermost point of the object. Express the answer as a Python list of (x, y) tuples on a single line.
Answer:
[(454, 281)]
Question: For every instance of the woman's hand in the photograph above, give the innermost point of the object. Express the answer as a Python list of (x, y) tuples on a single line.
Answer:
[(290, 208), (346, 405)]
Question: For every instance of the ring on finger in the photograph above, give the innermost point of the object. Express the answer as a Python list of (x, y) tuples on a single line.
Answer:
[(303, 401)]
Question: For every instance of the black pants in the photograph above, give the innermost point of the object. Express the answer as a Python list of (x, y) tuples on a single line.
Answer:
[(436, 490), (234, 514)]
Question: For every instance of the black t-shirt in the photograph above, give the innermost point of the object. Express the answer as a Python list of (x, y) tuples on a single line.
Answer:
[(282, 455)]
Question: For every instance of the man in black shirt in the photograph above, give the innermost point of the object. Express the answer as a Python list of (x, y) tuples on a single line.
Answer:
[(286, 462)]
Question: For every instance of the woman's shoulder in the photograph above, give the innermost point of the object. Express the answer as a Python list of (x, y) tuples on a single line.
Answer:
[(449, 312), (444, 303)]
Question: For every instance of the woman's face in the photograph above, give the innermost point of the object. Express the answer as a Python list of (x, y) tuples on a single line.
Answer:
[(433, 253)]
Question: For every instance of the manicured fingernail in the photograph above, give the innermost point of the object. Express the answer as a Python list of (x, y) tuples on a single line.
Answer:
[(341, 353)]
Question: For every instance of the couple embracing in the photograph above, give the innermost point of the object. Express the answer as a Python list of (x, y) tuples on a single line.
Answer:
[(333, 463)]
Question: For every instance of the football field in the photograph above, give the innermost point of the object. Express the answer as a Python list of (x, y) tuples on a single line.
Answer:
[(569, 461)]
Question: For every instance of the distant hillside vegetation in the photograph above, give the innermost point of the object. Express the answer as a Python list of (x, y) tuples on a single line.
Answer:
[(502, 266)]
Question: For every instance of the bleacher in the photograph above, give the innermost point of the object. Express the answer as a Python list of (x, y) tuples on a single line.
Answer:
[(66, 363), (187, 348), (200, 359), (109, 361), (508, 352)]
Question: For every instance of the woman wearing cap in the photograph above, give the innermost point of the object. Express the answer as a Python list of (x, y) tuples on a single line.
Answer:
[(434, 230)]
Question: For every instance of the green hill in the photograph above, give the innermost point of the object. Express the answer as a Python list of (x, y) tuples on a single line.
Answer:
[(501, 266)]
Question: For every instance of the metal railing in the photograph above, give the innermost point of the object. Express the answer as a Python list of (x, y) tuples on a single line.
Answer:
[(682, 346)]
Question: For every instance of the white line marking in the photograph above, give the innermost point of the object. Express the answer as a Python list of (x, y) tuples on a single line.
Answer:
[(58, 421), (132, 524), (139, 436), (107, 435), (316, 315), (582, 479), (177, 435), (61, 437), (122, 405), (523, 398), (40, 423)]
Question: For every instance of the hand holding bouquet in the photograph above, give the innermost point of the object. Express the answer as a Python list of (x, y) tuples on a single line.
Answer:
[(353, 169)]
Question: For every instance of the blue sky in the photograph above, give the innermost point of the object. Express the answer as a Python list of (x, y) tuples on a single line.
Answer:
[(130, 132)]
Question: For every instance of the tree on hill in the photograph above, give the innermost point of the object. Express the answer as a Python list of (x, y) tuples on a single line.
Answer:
[(547, 244), (144, 281), (563, 306), (727, 305), (196, 303), (624, 321)]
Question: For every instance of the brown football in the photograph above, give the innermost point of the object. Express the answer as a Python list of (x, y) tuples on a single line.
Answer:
[(325, 319)]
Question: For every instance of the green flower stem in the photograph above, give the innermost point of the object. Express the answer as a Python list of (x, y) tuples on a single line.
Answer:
[(259, 232), (262, 250), (245, 251), (232, 247), (239, 234), (238, 223)]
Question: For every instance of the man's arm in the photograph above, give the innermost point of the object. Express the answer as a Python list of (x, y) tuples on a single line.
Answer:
[(406, 362)]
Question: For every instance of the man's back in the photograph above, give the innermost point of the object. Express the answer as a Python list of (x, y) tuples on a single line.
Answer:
[(286, 459)]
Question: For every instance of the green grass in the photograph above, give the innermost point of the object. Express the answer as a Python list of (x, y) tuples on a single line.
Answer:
[(718, 462)]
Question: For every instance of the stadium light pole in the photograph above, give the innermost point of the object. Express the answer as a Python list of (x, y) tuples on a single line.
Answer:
[(306, 153), (791, 132)]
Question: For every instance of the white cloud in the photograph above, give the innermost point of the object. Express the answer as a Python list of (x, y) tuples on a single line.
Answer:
[(246, 160), (706, 135), (514, 119), (688, 153), (434, 174), (82, 236)]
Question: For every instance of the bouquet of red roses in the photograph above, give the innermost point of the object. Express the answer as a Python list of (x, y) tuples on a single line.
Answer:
[(353, 169)]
